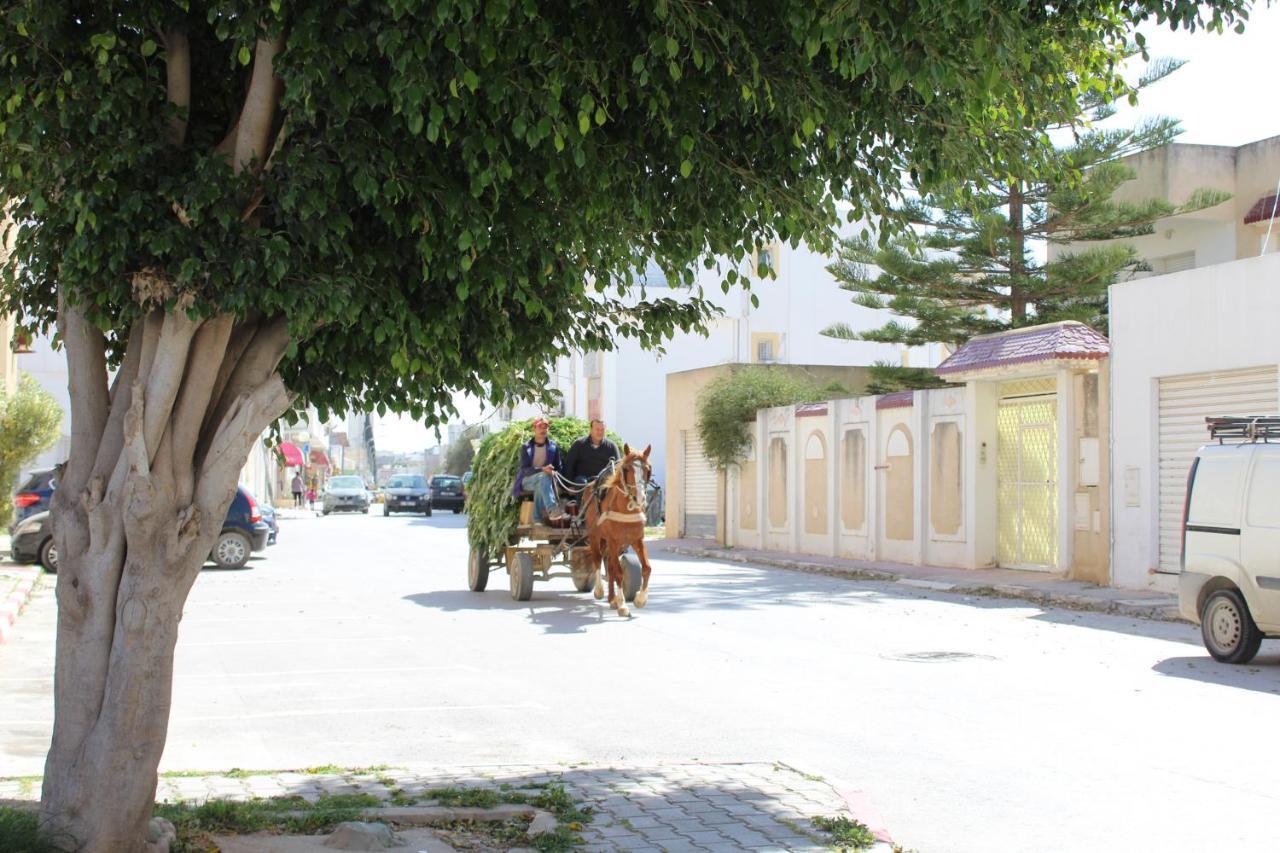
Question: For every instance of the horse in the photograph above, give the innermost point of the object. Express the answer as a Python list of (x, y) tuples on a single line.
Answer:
[(614, 516)]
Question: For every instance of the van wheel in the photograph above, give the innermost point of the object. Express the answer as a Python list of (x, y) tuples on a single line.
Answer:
[(1228, 629)]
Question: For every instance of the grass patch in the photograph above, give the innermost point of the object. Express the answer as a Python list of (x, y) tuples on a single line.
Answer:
[(845, 832), (20, 832), (198, 823), (241, 773)]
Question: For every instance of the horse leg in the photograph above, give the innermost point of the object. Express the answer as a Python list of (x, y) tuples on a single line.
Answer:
[(594, 554), (642, 597), (618, 599)]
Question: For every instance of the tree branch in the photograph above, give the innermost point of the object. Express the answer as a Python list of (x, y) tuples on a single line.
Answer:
[(255, 364), (165, 378), (178, 71), (209, 348), (121, 395), (257, 117), (87, 387)]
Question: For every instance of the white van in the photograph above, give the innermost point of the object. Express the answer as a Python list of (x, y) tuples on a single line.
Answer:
[(1230, 581)]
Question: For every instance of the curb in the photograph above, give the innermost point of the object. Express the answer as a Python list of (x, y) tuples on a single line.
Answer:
[(859, 806), (13, 605), (1156, 611)]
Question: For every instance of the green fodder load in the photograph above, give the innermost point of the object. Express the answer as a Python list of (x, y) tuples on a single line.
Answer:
[(492, 513)]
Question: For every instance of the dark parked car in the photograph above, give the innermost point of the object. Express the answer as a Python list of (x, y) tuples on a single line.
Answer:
[(269, 516), (34, 494), (446, 492), (243, 532), (407, 493)]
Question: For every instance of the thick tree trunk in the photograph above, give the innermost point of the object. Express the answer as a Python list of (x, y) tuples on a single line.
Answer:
[(152, 470)]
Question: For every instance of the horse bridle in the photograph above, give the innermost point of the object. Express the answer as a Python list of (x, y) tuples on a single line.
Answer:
[(636, 492)]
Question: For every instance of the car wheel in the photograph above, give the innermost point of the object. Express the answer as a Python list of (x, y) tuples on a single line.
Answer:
[(232, 550), (428, 512), (386, 510), (457, 510), (49, 556), (325, 511), (1228, 629), (366, 509)]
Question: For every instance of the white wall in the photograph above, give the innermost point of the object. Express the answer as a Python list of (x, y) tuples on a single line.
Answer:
[(49, 367), (1214, 318)]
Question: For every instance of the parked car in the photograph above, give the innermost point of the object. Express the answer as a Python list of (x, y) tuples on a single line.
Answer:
[(269, 516), (407, 493), (244, 531), (345, 493), (1230, 579), (446, 492), (34, 494)]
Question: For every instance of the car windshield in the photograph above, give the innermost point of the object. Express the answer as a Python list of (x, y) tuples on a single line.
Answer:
[(445, 481), (346, 483), (407, 483)]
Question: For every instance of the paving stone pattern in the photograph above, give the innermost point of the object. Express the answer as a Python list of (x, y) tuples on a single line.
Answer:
[(673, 808)]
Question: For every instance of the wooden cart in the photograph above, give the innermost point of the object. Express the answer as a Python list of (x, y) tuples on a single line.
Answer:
[(539, 552)]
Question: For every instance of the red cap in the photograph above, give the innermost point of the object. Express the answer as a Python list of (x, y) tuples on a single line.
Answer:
[(537, 422)]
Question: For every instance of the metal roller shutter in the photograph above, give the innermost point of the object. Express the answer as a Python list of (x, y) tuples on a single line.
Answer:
[(699, 490), (1185, 401)]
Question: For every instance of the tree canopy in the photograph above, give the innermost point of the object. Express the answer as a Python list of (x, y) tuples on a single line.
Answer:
[(440, 180)]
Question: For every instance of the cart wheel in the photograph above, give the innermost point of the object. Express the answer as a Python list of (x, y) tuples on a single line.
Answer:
[(477, 571), (632, 576), (586, 584), (521, 573)]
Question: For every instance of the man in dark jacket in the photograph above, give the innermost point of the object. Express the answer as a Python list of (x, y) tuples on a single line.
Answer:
[(539, 462), (590, 454)]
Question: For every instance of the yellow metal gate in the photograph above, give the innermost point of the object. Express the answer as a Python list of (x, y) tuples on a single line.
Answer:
[(1027, 464)]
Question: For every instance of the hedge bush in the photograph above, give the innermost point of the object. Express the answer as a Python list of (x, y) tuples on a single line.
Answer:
[(727, 406)]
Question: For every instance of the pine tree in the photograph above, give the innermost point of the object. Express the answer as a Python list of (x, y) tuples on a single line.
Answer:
[(968, 265)]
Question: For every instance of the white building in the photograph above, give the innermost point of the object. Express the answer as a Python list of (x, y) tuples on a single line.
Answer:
[(49, 367), (627, 387), (1185, 346)]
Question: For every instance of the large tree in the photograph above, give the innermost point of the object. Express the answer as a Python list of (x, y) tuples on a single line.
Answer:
[(969, 265), (239, 206)]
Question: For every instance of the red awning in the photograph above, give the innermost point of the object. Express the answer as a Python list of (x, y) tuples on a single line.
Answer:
[(318, 458), (1263, 210), (292, 455)]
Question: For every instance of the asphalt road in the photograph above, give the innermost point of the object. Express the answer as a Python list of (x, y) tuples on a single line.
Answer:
[(971, 724)]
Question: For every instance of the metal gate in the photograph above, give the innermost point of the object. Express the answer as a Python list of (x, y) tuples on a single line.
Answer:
[(1185, 401), (699, 490), (1027, 469)]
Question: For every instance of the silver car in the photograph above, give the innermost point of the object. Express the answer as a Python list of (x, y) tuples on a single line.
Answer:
[(345, 494)]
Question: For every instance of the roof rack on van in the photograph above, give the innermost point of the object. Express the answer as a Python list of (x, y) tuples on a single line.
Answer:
[(1246, 428)]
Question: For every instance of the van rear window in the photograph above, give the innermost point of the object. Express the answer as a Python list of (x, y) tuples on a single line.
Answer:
[(1215, 493)]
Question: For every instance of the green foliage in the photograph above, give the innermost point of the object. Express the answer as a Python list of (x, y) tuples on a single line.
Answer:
[(846, 833), (492, 513), (457, 460), (969, 267), (887, 378), (446, 178), (727, 406), (30, 423), (20, 832)]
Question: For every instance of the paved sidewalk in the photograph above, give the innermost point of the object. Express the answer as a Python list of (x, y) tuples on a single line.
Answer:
[(17, 585), (1041, 588), (672, 807)]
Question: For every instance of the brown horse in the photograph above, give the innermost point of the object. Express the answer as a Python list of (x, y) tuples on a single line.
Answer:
[(614, 519)]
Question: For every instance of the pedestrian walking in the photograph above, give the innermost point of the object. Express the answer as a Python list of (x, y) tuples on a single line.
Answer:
[(296, 487)]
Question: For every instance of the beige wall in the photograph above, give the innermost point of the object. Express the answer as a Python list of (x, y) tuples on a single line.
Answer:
[(8, 360), (1217, 234)]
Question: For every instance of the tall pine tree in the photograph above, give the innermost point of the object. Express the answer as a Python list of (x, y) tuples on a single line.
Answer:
[(969, 265)]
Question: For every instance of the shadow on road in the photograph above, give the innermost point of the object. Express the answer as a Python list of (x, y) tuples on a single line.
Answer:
[(556, 611), (442, 519), (1262, 675)]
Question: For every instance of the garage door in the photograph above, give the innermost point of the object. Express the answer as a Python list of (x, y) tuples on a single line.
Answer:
[(699, 490), (1185, 401)]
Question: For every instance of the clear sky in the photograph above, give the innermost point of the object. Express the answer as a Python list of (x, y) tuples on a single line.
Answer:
[(1224, 95)]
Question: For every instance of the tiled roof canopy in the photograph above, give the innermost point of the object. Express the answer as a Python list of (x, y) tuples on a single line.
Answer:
[(1262, 210), (1067, 340)]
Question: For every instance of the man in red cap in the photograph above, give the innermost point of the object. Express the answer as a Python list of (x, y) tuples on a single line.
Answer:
[(539, 462)]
